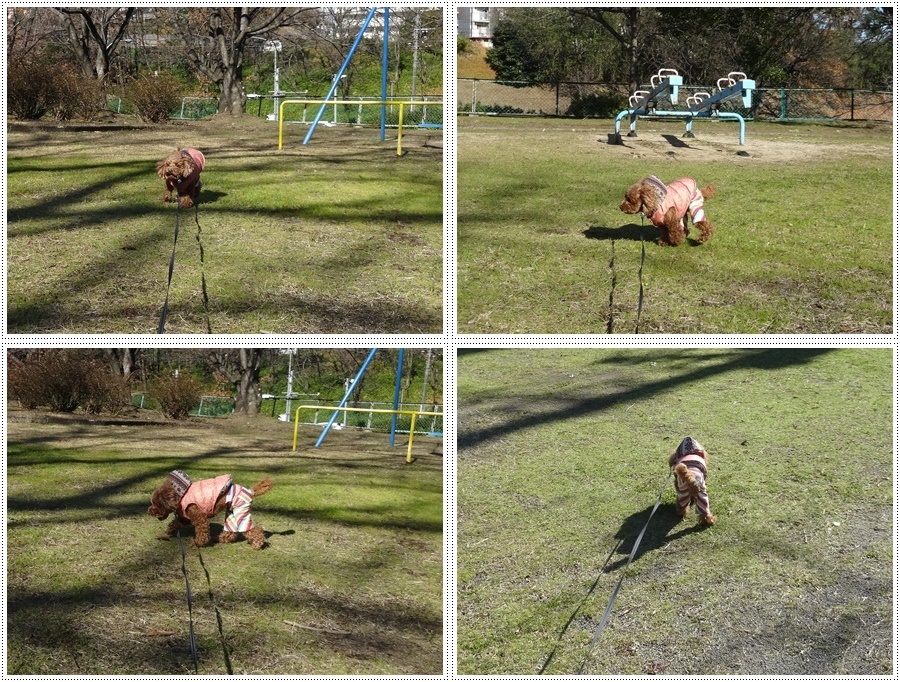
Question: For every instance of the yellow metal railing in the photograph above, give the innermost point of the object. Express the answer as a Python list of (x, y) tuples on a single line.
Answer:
[(412, 426), (358, 102)]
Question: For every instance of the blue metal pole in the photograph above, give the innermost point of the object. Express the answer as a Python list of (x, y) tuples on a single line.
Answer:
[(337, 78), (396, 395), (346, 396), (384, 70)]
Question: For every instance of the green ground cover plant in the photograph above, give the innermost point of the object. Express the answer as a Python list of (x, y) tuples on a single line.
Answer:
[(351, 582), (803, 236), (562, 454), (338, 236)]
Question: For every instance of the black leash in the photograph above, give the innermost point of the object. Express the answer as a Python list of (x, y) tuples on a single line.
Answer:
[(225, 653), (615, 593), (192, 641), (202, 271), (637, 323), (162, 318)]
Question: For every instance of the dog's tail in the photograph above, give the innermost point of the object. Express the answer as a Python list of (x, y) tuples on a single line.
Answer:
[(688, 477), (708, 192), (262, 487)]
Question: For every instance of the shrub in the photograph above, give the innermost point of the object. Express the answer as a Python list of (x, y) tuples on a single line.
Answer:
[(107, 392), (35, 89), (30, 90), (64, 380), (154, 97), (176, 396), (57, 379), (596, 105), (76, 96)]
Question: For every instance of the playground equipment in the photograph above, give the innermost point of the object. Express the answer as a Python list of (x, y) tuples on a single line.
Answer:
[(349, 391), (642, 104), (412, 428), (382, 103)]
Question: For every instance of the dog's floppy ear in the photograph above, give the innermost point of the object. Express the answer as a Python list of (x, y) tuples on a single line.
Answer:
[(186, 163)]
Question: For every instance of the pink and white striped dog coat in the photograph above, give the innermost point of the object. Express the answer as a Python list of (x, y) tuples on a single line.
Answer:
[(239, 499), (683, 195), (689, 453)]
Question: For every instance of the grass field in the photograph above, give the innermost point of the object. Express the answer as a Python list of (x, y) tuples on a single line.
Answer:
[(562, 454), (803, 240), (350, 583), (338, 236)]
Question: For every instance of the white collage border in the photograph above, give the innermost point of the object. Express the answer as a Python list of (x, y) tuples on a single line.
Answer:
[(450, 341)]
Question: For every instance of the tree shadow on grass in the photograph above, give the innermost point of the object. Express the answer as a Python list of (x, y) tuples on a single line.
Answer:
[(731, 361)]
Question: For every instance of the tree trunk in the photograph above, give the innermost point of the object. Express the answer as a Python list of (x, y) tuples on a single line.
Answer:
[(249, 396), (232, 97), (243, 372), (122, 360)]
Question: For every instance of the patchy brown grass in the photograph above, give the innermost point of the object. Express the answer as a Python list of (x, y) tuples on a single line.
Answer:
[(299, 241), (351, 582)]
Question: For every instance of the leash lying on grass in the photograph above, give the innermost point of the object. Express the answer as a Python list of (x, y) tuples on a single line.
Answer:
[(637, 322), (192, 641), (162, 318), (615, 592)]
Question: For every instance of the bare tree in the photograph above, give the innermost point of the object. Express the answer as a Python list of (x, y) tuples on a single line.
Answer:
[(27, 29), (215, 39), (94, 34)]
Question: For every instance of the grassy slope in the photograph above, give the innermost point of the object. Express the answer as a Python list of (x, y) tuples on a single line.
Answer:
[(339, 236), (562, 455), (351, 582), (543, 247)]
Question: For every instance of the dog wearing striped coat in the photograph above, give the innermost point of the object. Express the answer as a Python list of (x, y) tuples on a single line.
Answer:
[(690, 462), (668, 207), (194, 503)]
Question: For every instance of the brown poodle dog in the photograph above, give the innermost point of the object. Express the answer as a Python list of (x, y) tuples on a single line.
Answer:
[(195, 503), (181, 171), (667, 207), (691, 461)]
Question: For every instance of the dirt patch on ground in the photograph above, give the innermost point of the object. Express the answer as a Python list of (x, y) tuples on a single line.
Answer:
[(712, 142)]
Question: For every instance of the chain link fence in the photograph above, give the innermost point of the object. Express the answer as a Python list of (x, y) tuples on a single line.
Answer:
[(189, 107), (603, 100)]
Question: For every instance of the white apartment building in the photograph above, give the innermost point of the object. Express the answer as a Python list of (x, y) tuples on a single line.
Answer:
[(476, 23)]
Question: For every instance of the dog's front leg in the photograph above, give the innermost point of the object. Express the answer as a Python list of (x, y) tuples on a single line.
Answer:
[(201, 525)]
